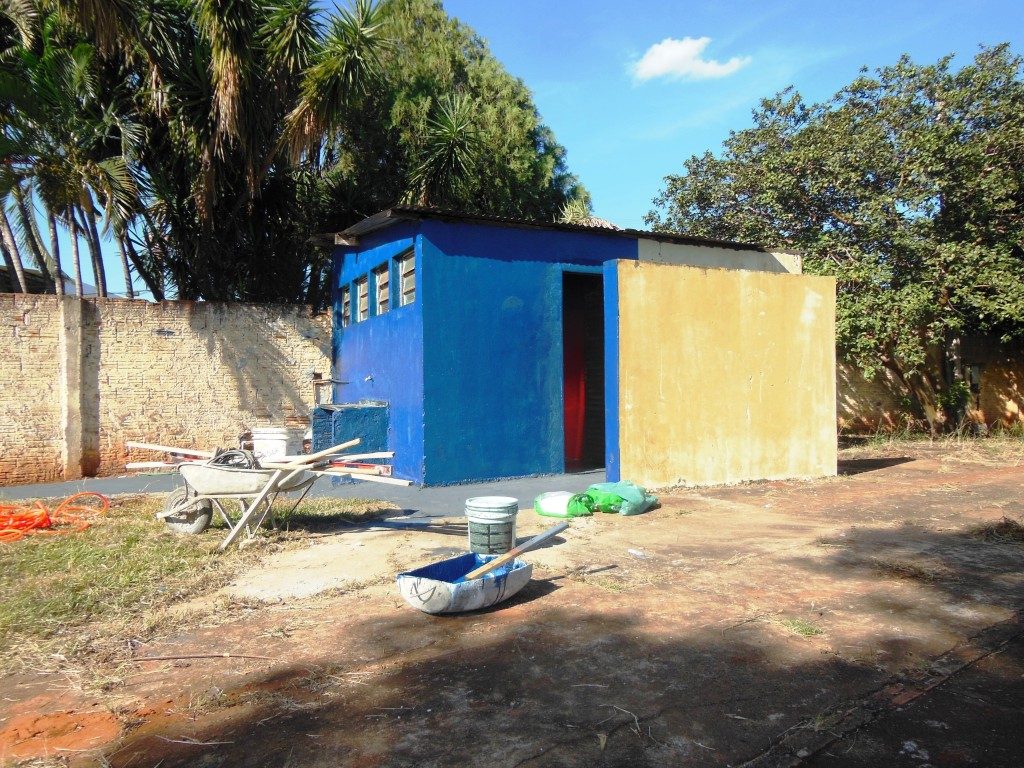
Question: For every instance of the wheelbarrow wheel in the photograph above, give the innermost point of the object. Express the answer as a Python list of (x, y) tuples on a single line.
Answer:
[(193, 519)]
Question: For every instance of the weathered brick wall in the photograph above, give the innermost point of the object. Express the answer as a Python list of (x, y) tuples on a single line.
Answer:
[(197, 374), (864, 405), (30, 402), (193, 374), (1000, 401)]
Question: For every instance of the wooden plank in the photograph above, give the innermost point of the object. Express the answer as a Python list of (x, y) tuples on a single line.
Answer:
[(367, 478), (309, 459), (285, 460), (169, 449), (154, 464), (361, 468)]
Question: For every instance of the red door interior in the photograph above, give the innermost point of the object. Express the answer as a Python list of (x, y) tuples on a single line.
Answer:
[(583, 370)]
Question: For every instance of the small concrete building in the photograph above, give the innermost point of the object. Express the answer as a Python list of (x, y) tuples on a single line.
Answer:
[(478, 347)]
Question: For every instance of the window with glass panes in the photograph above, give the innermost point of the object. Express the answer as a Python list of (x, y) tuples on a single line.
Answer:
[(405, 268), (346, 307), (382, 283), (362, 299)]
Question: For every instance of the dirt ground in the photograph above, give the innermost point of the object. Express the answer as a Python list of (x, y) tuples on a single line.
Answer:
[(870, 619)]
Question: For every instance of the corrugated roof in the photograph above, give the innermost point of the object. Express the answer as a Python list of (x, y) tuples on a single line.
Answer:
[(391, 216)]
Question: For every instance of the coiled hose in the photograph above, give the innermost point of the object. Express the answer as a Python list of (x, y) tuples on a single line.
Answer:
[(18, 520)]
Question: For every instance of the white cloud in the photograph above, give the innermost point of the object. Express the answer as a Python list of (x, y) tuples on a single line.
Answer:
[(681, 60)]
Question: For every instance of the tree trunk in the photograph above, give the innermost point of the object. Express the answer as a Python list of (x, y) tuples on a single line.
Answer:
[(93, 239), (75, 256), (9, 263), (919, 391), (151, 282), (124, 265), (51, 222), (12, 250), (32, 239)]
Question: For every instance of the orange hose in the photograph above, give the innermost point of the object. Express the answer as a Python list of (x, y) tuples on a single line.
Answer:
[(18, 520)]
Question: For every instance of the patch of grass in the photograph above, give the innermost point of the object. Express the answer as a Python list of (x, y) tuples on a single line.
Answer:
[(124, 565), (1006, 530), (325, 513), (801, 627), (999, 448), (607, 582), (91, 592)]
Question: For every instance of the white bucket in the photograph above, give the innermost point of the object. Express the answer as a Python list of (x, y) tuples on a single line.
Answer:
[(272, 443), (492, 524)]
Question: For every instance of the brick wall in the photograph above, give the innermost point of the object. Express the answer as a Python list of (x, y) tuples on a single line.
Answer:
[(864, 405), (30, 448), (867, 406), (193, 374)]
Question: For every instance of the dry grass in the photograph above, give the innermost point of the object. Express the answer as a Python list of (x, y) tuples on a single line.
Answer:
[(801, 627), (906, 570), (998, 449), (90, 595), (1006, 530)]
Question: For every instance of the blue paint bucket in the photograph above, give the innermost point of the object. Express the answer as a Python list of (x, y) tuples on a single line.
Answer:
[(492, 524)]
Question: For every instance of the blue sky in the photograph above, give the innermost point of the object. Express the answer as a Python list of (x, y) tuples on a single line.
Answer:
[(629, 115), (625, 134)]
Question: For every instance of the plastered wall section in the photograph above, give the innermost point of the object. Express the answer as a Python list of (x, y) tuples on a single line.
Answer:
[(725, 258), (30, 405), (191, 374), (724, 375)]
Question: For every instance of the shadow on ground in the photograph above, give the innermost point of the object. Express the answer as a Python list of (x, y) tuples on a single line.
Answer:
[(584, 677), (856, 466)]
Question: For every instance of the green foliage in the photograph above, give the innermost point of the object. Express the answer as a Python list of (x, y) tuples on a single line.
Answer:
[(576, 211), (218, 137), (502, 160), (907, 186)]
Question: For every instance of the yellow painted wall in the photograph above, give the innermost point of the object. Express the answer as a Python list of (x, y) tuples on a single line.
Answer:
[(725, 375)]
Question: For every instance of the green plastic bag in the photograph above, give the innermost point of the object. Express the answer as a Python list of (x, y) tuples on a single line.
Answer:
[(623, 497), (563, 504)]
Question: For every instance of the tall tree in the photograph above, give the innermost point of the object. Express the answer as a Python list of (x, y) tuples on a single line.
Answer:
[(908, 186), (212, 139), (448, 114)]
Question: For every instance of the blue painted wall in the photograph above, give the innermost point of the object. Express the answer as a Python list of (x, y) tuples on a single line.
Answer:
[(492, 353), (612, 467), (381, 358)]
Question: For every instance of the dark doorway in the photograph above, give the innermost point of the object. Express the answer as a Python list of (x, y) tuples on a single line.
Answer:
[(583, 366)]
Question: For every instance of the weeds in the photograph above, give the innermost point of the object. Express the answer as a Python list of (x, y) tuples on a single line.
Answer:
[(801, 627), (1006, 530), (1000, 447), (906, 570), (89, 593)]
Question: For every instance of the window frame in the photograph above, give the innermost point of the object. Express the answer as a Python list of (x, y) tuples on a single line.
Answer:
[(362, 290), (382, 305), (405, 266), (346, 306)]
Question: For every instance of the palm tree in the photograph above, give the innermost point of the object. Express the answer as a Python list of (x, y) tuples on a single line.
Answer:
[(449, 156), (12, 256), (239, 101), (65, 137), (51, 222)]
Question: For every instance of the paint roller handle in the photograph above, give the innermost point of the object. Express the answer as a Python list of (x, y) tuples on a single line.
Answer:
[(512, 554)]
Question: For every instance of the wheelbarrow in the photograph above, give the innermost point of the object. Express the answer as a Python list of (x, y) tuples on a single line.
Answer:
[(236, 476)]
